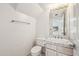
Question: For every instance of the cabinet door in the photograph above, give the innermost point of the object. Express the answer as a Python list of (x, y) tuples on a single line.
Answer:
[(50, 46), (67, 51), (50, 52)]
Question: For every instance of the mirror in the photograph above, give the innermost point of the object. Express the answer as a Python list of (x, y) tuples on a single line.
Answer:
[(57, 22)]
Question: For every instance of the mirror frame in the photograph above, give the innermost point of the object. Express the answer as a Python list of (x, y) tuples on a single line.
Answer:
[(64, 24)]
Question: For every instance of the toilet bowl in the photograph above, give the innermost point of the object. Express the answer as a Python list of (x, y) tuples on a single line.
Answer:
[(36, 51)]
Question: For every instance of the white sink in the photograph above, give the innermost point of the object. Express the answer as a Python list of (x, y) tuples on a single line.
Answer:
[(55, 41), (61, 42)]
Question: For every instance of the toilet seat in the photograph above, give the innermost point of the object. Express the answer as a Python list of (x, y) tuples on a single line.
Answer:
[(36, 50)]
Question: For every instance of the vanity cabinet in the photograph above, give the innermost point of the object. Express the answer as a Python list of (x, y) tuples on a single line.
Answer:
[(57, 50), (55, 47)]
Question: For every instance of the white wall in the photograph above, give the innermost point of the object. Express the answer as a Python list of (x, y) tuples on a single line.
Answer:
[(73, 31), (31, 9), (42, 27), (76, 14), (15, 38)]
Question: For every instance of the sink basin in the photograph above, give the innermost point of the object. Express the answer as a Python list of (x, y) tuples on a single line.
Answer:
[(60, 42), (55, 41)]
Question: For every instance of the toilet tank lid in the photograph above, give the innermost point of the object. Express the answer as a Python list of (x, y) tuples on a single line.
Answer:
[(36, 49)]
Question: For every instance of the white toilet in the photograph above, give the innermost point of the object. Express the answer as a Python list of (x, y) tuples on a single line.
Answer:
[(36, 51)]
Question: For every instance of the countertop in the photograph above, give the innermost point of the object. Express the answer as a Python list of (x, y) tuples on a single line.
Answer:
[(60, 42)]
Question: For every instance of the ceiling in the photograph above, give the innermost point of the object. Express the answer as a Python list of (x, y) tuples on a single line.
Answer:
[(33, 9), (30, 9), (42, 5)]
